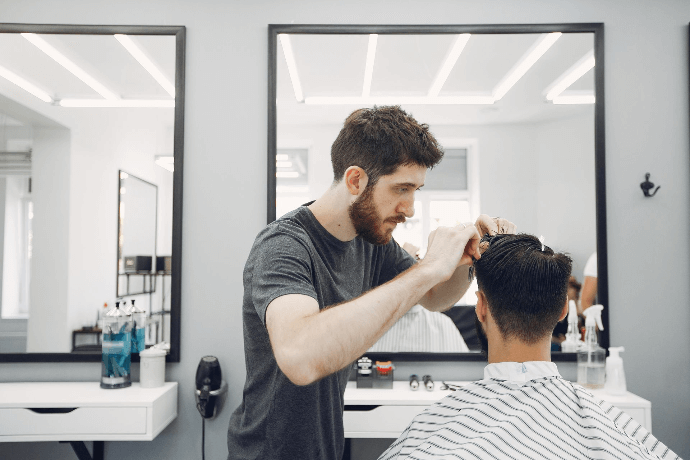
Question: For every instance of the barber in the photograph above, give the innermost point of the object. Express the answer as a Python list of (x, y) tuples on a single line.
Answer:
[(324, 282)]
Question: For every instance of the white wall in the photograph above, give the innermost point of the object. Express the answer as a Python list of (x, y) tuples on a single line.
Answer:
[(224, 190)]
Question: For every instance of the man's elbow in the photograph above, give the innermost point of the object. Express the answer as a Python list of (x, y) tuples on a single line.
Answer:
[(296, 368)]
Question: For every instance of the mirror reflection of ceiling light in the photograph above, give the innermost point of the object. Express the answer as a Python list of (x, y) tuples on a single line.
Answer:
[(166, 162), (145, 103), (282, 157), (25, 85), (369, 67), (532, 55), (570, 76), (291, 65), (287, 175), (77, 71), (138, 53), (284, 164), (448, 64)]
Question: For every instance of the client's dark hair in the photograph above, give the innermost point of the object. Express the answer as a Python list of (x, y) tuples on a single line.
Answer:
[(381, 139), (525, 287)]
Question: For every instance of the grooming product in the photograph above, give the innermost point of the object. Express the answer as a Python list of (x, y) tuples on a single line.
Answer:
[(163, 264), (138, 328), (364, 373), (383, 375), (116, 346), (590, 356), (152, 367), (414, 382), (572, 337), (428, 383), (102, 311), (615, 377)]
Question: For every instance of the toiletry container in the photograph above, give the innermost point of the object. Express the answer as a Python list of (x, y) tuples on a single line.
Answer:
[(615, 377), (138, 328), (590, 356), (152, 367), (116, 349)]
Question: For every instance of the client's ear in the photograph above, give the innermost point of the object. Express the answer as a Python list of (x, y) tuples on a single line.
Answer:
[(481, 308), (356, 180), (565, 311)]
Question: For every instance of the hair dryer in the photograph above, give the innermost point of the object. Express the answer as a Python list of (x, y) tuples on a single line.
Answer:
[(209, 386)]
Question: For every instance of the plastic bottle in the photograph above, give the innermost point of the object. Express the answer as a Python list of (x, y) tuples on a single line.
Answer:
[(590, 356), (615, 377), (572, 338)]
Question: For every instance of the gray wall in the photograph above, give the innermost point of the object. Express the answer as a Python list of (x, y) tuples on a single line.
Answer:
[(647, 130)]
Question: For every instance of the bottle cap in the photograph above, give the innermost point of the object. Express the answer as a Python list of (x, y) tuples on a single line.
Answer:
[(593, 316), (614, 352)]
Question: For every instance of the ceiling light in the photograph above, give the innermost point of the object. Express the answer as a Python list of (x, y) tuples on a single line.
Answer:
[(138, 53), (574, 99), (61, 59), (570, 76), (448, 64), (291, 65), (369, 67), (166, 162), (287, 175), (395, 100), (284, 164), (133, 103), (281, 157), (25, 85), (525, 63)]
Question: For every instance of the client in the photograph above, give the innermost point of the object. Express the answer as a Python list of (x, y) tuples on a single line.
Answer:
[(523, 408)]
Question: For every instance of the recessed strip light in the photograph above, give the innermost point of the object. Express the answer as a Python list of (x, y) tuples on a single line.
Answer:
[(394, 100), (77, 71), (138, 53), (574, 99), (532, 55), (448, 64), (291, 65), (25, 85), (369, 67), (570, 76), (133, 103), (283, 164)]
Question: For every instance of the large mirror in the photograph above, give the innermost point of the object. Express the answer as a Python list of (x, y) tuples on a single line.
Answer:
[(518, 109), (91, 149)]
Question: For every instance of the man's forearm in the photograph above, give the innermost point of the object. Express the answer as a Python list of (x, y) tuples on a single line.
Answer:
[(444, 295), (334, 337)]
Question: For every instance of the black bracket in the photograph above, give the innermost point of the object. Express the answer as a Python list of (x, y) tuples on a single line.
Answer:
[(83, 453), (646, 186)]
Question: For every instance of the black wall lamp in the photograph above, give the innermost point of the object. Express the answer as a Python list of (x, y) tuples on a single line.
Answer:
[(646, 186)]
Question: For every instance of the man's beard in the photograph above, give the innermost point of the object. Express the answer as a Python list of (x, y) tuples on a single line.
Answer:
[(481, 335), (368, 222)]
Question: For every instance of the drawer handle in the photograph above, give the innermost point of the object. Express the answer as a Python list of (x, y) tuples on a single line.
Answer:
[(52, 410), (360, 407)]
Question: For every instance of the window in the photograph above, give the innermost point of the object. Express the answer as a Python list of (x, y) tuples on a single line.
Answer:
[(16, 259)]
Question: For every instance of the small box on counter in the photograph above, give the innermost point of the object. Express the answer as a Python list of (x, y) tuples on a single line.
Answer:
[(163, 264), (137, 264), (379, 375)]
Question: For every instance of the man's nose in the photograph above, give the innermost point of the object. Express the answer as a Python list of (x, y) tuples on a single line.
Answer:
[(407, 207)]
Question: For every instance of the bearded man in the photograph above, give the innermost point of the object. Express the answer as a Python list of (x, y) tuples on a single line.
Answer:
[(324, 282)]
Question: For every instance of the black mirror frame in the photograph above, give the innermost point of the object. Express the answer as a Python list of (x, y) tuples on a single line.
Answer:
[(599, 140), (178, 151)]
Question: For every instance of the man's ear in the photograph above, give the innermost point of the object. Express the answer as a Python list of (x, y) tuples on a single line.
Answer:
[(565, 311), (482, 307), (356, 180)]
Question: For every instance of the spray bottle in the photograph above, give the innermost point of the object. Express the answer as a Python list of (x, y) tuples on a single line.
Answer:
[(590, 356), (615, 377), (572, 338)]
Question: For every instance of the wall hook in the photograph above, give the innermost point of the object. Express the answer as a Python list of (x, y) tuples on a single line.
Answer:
[(646, 186)]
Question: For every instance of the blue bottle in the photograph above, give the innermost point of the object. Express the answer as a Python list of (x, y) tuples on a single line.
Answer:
[(138, 328), (116, 356)]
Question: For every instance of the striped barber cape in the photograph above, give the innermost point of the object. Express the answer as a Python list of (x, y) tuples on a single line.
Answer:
[(524, 411)]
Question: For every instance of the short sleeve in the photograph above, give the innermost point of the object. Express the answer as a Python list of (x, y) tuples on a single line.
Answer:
[(396, 261), (282, 266), (591, 266)]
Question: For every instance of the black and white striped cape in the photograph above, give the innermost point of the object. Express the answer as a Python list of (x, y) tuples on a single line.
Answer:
[(524, 411)]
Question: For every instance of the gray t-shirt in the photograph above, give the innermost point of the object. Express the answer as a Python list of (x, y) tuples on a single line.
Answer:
[(296, 255)]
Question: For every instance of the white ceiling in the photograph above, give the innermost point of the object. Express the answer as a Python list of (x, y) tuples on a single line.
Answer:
[(406, 65)]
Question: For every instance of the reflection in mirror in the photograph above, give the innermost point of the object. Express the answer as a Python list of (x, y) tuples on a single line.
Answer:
[(514, 112), (76, 111)]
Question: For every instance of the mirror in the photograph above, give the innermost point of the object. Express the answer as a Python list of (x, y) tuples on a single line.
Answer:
[(83, 110), (518, 109)]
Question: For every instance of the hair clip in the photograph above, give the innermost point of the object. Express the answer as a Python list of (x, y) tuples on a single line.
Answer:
[(541, 240)]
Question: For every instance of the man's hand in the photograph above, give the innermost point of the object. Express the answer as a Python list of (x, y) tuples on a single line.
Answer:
[(450, 247), (493, 226)]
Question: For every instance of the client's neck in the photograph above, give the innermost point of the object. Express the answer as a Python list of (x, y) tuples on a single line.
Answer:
[(516, 351)]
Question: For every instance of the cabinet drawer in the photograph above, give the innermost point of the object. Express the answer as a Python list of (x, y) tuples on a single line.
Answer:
[(390, 420), (82, 420)]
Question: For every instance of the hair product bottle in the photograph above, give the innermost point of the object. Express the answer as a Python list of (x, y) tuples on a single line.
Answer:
[(615, 377), (590, 356)]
